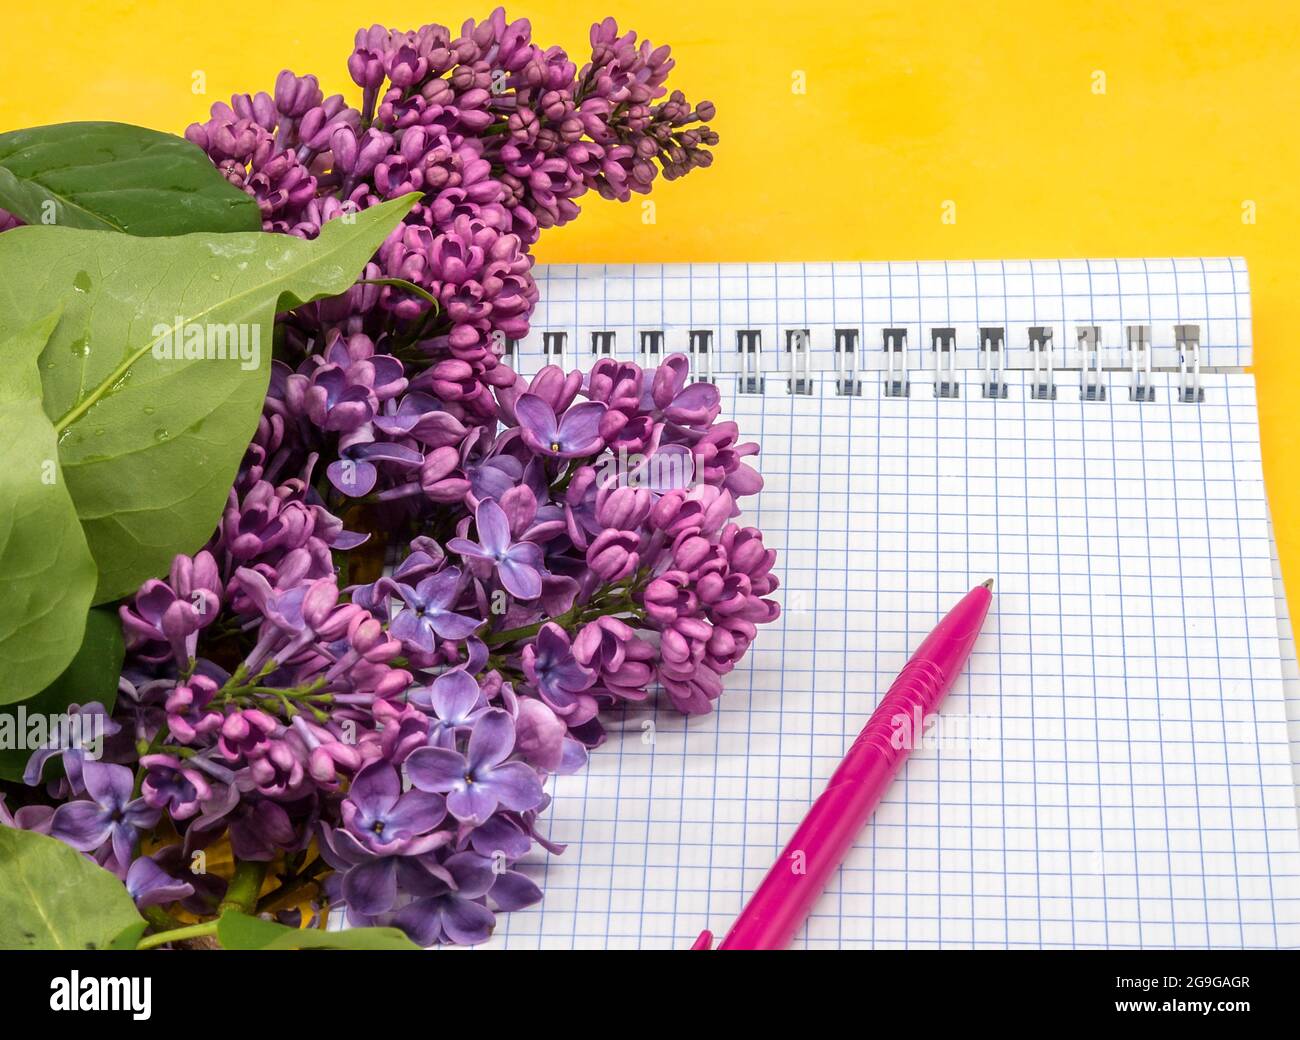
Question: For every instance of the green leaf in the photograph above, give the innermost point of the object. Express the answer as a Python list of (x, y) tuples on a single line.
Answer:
[(47, 576), (116, 177), (129, 936), (54, 898), (236, 931), (92, 676), (149, 442)]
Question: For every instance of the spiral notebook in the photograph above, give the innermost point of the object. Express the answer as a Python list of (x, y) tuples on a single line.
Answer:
[(1115, 768)]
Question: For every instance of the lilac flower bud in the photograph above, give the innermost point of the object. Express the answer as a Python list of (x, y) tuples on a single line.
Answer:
[(603, 643), (667, 598), (366, 634), (259, 108), (406, 67), (556, 388), (691, 552), (317, 127), (319, 601), (343, 143), (373, 146), (366, 68), (180, 624), (294, 95), (612, 556), (617, 384), (623, 508), (245, 733), (187, 717), (723, 594)]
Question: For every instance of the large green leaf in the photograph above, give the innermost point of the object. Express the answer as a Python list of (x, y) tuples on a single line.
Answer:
[(47, 576), (54, 898), (116, 177), (150, 443), (236, 931), (91, 676)]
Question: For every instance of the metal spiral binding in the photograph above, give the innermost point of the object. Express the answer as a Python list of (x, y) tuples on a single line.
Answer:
[(652, 347), (700, 349), (553, 347), (993, 341), (1139, 343), (749, 344), (1188, 340), (800, 376), (799, 380), (1091, 387), (847, 383), (1043, 387), (943, 343), (896, 384)]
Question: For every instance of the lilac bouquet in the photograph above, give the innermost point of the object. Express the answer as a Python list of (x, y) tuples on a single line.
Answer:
[(432, 576)]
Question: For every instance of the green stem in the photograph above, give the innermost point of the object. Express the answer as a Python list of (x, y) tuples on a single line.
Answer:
[(160, 919), (495, 639), (176, 934), (245, 886), (574, 616)]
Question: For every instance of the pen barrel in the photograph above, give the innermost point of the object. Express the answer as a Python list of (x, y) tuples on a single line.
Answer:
[(782, 902)]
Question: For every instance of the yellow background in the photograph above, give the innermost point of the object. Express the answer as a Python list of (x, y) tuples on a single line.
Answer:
[(990, 105)]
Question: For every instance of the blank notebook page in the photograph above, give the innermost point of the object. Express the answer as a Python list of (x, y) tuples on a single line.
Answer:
[(1123, 777)]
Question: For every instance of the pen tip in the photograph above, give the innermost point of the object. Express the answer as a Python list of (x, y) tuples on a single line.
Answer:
[(988, 584)]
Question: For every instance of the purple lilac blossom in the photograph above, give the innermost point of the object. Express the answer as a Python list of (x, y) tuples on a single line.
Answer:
[(341, 629)]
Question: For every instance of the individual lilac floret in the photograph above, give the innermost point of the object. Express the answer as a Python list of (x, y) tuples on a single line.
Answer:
[(172, 785), (549, 665), (542, 739), (429, 612), (369, 882), (480, 781), (387, 822), (355, 472), (149, 885), (519, 564), (694, 404), (111, 814), (448, 903), (454, 700), (94, 727), (27, 818), (575, 434)]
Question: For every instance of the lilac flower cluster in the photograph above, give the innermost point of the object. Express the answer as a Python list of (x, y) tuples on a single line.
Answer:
[(432, 575), (500, 136)]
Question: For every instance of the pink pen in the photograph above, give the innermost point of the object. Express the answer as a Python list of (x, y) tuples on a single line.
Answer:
[(776, 911)]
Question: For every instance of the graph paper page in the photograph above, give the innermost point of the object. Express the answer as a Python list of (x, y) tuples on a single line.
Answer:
[(1290, 666), (1123, 777), (1126, 777)]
